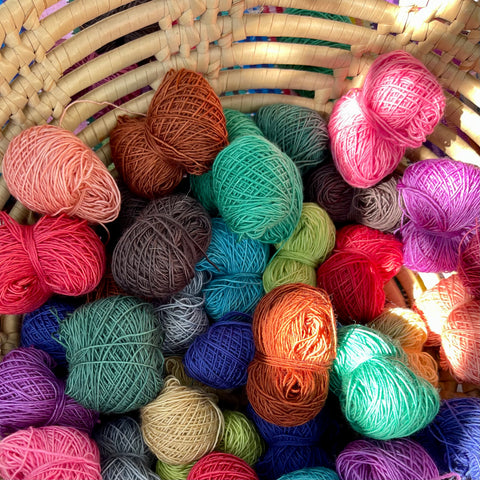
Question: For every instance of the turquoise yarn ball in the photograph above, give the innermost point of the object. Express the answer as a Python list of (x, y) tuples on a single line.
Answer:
[(311, 473), (240, 124), (113, 350), (258, 189), (235, 267), (380, 396)]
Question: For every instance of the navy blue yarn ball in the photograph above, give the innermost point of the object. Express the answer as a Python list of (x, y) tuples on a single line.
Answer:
[(40, 327), (219, 358)]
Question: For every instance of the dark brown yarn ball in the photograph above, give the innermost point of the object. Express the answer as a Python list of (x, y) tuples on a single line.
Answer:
[(146, 174), (156, 256), (186, 122), (326, 187)]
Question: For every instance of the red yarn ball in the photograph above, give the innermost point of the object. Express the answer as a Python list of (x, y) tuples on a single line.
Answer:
[(364, 260), (221, 466), (58, 255)]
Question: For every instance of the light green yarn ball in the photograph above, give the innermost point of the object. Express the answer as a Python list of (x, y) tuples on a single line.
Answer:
[(113, 350), (240, 124), (296, 260), (173, 472), (311, 473), (258, 189), (380, 396), (241, 438)]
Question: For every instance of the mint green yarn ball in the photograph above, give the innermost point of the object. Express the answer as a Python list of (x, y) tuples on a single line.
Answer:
[(380, 396), (311, 473), (113, 350), (258, 189), (239, 124)]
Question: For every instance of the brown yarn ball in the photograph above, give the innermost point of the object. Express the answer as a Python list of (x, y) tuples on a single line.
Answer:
[(182, 424), (156, 256)]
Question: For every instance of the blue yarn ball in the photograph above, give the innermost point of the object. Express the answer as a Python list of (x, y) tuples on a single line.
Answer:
[(453, 437), (237, 316), (40, 327), (311, 473), (219, 358), (236, 268)]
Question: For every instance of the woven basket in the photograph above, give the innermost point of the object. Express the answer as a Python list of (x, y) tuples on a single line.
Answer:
[(43, 67)]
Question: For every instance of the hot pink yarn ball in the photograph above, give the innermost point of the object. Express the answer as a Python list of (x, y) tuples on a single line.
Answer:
[(49, 453)]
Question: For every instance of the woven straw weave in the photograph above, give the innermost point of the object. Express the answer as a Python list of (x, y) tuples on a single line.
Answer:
[(231, 42)]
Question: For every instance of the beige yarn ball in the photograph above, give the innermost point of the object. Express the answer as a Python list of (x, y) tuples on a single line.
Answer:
[(182, 424)]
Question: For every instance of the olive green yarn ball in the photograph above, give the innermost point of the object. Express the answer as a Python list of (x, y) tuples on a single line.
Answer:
[(258, 189), (296, 260), (113, 350), (173, 472), (241, 438)]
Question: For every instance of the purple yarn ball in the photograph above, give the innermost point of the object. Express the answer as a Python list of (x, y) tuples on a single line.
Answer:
[(441, 200), (400, 459), (219, 358), (32, 396)]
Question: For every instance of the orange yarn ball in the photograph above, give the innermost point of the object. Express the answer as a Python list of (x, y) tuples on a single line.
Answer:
[(183, 132), (51, 171), (295, 338)]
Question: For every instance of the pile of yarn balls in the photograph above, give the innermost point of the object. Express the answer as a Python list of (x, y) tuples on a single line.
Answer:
[(237, 323)]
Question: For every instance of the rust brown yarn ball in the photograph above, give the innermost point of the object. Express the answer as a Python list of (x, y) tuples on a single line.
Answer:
[(156, 256), (184, 130)]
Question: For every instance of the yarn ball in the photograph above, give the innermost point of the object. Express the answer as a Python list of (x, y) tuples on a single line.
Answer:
[(40, 327), (169, 472), (300, 132), (49, 453), (364, 260), (183, 131), (460, 351), (156, 256), (326, 187), (182, 424), (240, 124), (453, 437), (378, 207), (402, 99), (441, 199), (221, 466), (113, 348), (258, 189), (51, 171), (123, 452), (469, 263), (202, 190), (55, 255), (289, 448), (361, 155), (220, 357), (311, 473), (295, 339), (435, 304), (236, 267), (379, 395), (183, 318), (309, 245), (241, 437), (401, 459), (32, 396)]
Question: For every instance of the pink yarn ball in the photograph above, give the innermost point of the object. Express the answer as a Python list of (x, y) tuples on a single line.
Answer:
[(361, 155), (49, 453)]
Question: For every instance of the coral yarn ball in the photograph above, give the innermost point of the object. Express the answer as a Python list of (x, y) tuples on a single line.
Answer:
[(221, 466), (51, 171)]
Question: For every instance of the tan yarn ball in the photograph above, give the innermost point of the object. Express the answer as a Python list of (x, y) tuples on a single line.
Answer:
[(182, 424)]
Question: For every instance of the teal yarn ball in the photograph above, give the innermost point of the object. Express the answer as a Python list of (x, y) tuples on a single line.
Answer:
[(258, 189), (235, 267), (202, 190), (311, 473), (300, 132), (380, 396), (113, 350), (240, 124)]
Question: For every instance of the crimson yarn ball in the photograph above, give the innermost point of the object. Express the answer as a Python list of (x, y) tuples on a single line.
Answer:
[(221, 466)]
